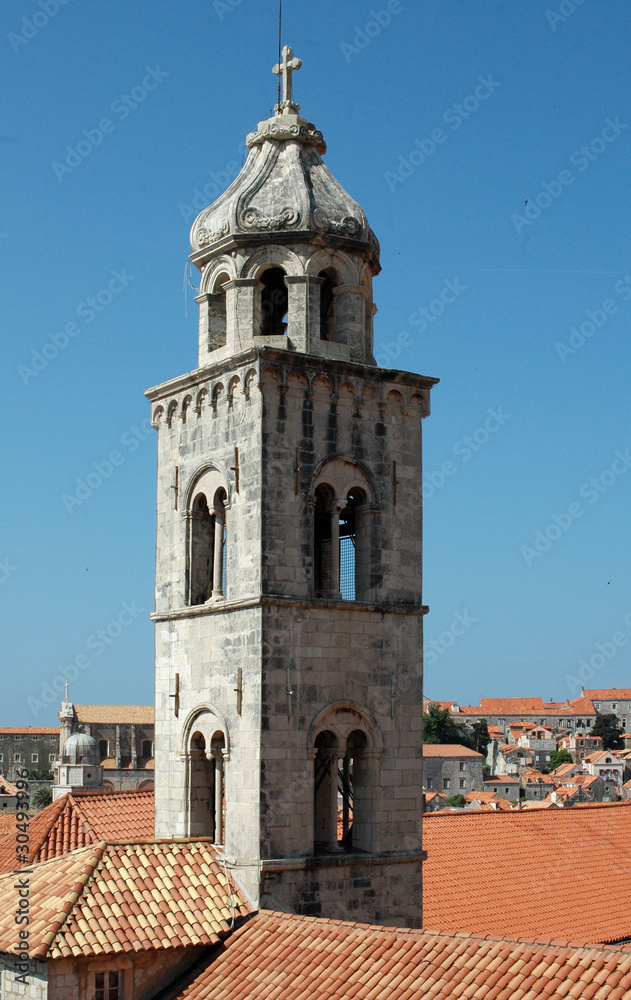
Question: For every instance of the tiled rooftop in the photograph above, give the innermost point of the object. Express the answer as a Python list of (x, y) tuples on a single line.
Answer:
[(279, 956), (124, 897), (609, 694), (527, 706), (29, 730), (138, 715), (448, 750), (76, 820), (562, 873)]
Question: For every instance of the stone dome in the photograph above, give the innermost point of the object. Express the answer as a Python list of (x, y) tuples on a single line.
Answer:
[(284, 189), (80, 749)]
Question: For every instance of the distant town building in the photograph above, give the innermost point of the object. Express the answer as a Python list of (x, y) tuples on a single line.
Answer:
[(124, 736), (34, 747), (612, 701), (452, 769)]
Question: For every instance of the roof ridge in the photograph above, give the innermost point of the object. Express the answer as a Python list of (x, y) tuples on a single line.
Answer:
[(71, 899), (542, 942), (37, 844)]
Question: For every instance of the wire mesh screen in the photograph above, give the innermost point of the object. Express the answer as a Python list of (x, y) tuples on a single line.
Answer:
[(347, 567)]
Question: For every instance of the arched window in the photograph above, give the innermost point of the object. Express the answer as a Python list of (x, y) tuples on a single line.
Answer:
[(322, 541), (216, 306), (206, 787), (201, 790), (207, 563), (325, 833), (274, 302), (344, 780), (341, 555), (327, 319)]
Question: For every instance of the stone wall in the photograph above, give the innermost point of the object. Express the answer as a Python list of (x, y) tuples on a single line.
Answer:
[(36, 986)]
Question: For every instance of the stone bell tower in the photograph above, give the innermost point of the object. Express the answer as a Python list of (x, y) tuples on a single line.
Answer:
[(288, 568)]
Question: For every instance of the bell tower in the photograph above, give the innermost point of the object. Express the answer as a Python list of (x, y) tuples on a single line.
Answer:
[(288, 559)]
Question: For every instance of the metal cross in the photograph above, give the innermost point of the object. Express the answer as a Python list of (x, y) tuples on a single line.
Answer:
[(285, 69)]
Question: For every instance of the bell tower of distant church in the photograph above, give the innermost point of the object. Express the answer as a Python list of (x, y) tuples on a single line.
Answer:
[(288, 570)]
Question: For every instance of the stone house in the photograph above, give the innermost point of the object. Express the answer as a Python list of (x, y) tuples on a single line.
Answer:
[(34, 747), (606, 765), (508, 758), (451, 769), (507, 786), (535, 785), (612, 701)]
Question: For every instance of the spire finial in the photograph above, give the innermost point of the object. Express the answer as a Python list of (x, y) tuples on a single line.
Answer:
[(285, 69)]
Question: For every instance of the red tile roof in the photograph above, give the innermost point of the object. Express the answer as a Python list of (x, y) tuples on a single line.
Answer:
[(122, 897), (530, 872), (608, 694), (529, 706), (29, 730), (448, 750), (280, 956), (78, 819)]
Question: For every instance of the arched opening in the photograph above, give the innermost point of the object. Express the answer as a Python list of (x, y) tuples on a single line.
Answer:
[(201, 556), (354, 543), (274, 303), (201, 790), (325, 793), (216, 306), (356, 799), (207, 559), (327, 301), (323, 582)]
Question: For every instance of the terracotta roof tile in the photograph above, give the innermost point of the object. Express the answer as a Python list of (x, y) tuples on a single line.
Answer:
[(500, 873), (78, 819), (123, 714), (280, 957), (609, 694), (29, 730), (448, 750), (69, 909)]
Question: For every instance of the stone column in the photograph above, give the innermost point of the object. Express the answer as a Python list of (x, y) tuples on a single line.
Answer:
[(333, 842), (345, 807), (118, 746), (304, 311), (349, 310), (134, 748), (243, 312), (220, 519), (219, 836), (335, 554)]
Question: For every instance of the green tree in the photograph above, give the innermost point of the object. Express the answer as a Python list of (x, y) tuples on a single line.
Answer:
[(43, 797), (457, 800), (43, 775), (439, 727), (480, 736), (558, 757), (608, 726)]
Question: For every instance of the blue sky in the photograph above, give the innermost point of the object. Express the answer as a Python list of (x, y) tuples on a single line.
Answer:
[(489, 144)]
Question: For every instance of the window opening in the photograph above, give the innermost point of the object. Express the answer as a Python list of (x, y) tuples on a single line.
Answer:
[(327, 299), (145, 748), (102, 749), (107, 986), (202, 546), (274, 303), (322, 541)]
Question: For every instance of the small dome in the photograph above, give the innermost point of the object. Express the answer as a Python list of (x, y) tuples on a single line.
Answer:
[(80, 749), (284, 190)]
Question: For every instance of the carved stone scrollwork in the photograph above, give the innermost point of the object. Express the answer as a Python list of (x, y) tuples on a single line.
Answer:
[(349, 226), (252, 218), (205, 236), (283, 131)]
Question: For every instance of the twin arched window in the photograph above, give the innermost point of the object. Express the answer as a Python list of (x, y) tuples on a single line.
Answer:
[(342, 793), (206, 805), (207, 550), (275, 303), (341, 544)]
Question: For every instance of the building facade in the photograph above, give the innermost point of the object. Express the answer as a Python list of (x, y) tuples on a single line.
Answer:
[(34, 747), (452, 769), (288, 584)]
